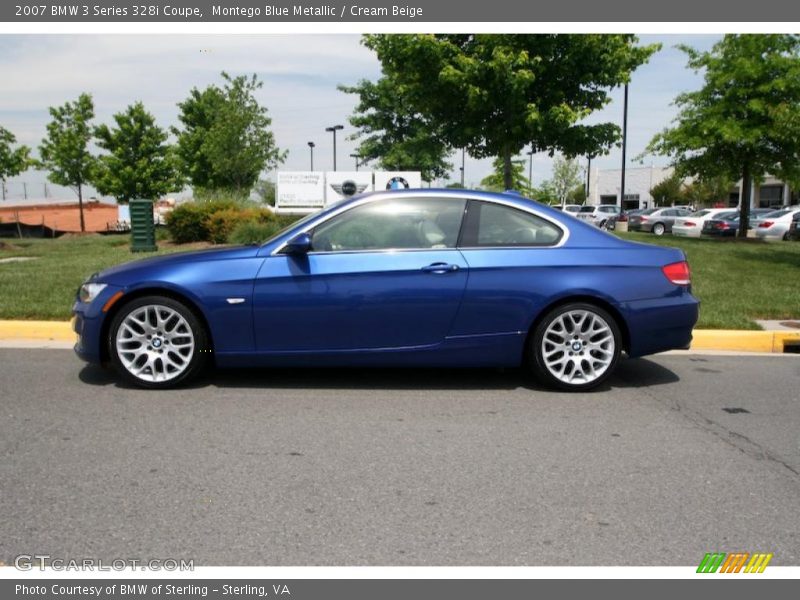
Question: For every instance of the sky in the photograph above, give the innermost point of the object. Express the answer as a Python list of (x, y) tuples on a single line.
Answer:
[(300, 74)]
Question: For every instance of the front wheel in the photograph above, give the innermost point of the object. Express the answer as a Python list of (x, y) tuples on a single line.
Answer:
[(575, 347), (157, 342), (659, 229)]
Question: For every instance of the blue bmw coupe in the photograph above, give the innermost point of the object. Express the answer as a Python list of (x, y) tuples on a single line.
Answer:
[(423, 278)]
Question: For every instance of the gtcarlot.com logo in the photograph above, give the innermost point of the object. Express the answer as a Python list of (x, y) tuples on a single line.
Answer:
[(735, 562), (29, 562)]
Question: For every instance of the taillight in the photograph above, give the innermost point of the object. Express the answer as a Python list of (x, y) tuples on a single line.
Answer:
[(721, 225), (689, 223), (678, 273), (766, 224), (643, 219), (622, 218)]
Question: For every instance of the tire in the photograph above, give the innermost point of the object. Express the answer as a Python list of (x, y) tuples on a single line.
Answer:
[(602, 224), (659, 229), (157, 342), (786, 237), (571, 369)]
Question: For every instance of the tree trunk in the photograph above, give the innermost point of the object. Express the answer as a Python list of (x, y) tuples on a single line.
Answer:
[(508, 172), (80, 207), (744, 209)]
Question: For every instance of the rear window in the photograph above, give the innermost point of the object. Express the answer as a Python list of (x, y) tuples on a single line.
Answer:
[(586, 209), (700, 213), (776, 214), (649, 211)]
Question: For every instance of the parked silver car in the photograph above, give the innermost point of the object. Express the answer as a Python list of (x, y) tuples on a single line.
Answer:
[(656, 220)]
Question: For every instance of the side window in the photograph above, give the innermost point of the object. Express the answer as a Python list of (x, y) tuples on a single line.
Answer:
[(489, 224), (393, 224)]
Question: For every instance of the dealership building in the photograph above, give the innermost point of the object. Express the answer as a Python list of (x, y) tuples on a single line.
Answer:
[(604, 188)]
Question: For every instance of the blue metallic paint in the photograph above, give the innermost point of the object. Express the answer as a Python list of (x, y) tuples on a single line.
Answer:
[(381, 308)]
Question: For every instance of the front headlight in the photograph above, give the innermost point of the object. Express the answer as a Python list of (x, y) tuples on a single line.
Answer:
[(90, 290)]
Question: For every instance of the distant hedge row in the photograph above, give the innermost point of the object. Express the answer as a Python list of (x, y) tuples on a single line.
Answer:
[(222, 221)]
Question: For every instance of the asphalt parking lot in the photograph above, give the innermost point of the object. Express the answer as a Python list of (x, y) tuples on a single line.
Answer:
[(356, 467)]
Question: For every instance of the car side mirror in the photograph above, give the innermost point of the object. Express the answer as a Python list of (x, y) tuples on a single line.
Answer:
[(299, 244)]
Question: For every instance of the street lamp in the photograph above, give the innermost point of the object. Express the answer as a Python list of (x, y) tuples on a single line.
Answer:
[(531, 152), (463, 156), (333, 129), (624, 146), (311, 147), (356, 157)]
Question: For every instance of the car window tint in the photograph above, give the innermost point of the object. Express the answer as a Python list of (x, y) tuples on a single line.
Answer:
[(700, 213), (499, 225), (586, 209), (393, 224)]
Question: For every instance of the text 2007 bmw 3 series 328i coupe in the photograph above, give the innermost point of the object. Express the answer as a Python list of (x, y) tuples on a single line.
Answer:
[(433, 278)]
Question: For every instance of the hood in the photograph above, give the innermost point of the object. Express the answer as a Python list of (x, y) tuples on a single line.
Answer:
[(165, 260)]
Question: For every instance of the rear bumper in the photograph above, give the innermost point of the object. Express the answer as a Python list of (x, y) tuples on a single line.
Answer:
[(661, 324)]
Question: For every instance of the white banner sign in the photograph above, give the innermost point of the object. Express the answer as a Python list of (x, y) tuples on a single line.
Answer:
[(397, 180), (300, 189)]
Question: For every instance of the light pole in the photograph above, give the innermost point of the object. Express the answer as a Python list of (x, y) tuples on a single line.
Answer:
[(311, 147), (333, 129), (588, 176), (624, 145), (356, 157), (463, 156), (531, 152)]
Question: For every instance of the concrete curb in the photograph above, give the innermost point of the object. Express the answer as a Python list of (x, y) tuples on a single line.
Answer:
[(704, 339), (59, 331)]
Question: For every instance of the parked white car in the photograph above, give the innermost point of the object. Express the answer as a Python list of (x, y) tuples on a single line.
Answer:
[(598, 215), (570, 209), (692, 225), (775, 225)]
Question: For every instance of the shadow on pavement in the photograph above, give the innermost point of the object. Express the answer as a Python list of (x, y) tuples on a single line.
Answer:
[(631, 373)]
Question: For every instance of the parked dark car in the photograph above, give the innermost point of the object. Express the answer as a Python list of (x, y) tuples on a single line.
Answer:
[(624, 216), (794, 228), (656, 220), (727, 224), (413, 278)]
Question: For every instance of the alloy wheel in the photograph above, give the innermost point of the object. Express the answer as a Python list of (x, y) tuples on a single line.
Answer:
[(578, 347)]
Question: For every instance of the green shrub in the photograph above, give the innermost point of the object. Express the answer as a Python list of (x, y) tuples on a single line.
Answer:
[(186, 223), (211, 220), (251, 232), (221, 223)]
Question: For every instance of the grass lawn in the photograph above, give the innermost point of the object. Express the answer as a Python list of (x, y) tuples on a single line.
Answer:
[(44, 288), (736, 281)]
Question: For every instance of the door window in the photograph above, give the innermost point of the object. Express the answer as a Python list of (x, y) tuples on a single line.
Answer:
[(405, 223)]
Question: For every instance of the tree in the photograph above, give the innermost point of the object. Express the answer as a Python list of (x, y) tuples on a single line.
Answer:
[(567, 175), (392, 133), (497, 181), (225, 142), (668, 191), (708, 191), (265, 190), (13, 161), (545, 193), (496, 94), (65, 150), (745, 120), (139, 163)]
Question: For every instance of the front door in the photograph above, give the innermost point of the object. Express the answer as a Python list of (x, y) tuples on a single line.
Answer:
[(384, 274)]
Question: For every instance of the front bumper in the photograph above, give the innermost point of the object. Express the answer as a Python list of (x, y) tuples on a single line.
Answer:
[(87, 322)]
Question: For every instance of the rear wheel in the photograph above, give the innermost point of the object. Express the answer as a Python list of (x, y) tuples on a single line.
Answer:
[(157, 342), (575, 347), (659, 229)]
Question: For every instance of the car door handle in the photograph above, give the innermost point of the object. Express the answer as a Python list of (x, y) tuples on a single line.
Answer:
[(440, 268)]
